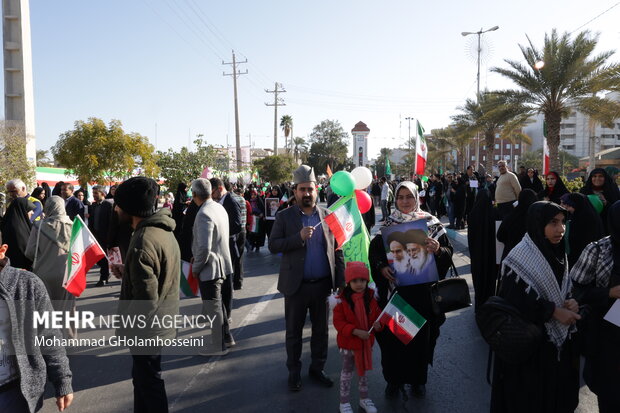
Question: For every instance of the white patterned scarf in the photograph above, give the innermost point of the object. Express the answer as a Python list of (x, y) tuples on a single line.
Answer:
[(529, 265), (435, 228)]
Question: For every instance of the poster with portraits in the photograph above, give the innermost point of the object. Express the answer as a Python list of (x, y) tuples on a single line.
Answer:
[(407, 254), (271, 207)]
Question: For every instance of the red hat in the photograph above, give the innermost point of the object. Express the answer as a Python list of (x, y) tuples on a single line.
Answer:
[(354, 270)]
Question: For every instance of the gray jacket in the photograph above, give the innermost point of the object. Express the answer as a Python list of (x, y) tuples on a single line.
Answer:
[(210, 244), (25, 293)]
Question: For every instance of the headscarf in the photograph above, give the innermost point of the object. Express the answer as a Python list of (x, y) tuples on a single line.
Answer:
[(15, 229), (57, 188), (585, 225), (536, 262), (37, 192), (610, 189), (48, 191), (554, 193), (398, 217), (513, 228), (57, 225)]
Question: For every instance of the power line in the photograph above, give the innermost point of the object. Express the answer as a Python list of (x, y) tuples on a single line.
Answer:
[(591, 20)]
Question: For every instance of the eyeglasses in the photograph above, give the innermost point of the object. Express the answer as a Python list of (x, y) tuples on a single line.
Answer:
[(405, 197)]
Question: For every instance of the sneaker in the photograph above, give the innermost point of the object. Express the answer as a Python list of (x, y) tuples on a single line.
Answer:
[(346, 408), (368, 406), (230, 342)]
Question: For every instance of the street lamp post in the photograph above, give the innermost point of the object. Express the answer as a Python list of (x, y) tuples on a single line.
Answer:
[(478, 33), (409, 119)]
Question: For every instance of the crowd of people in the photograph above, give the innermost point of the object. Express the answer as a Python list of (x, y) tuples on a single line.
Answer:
[(558, 268)]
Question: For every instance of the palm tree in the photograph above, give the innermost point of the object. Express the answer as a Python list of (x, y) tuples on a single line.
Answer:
[(286, 123), (300, 147), (513, 132), (487, 116), (562, 76)]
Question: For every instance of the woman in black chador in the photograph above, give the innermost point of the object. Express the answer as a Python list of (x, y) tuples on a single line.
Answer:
[(481, 241), (513, 227), (535, 280), (583, 226), (408, 364), (596, 282)]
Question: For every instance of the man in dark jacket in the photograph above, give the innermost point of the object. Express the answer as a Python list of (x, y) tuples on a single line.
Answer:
[(150, 285), (99, 223), (310, 270), (73, 205), (225, 198)]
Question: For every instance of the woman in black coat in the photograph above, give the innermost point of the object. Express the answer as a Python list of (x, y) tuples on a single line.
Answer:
[(554, 190), (15, 228), (531, 181), (583, 227), (408, 364), (458, 200), (601, 184), (596, 282), (535, 280), (513, 227)]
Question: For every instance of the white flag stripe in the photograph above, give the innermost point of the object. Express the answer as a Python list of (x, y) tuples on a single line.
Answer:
[(406, 324)]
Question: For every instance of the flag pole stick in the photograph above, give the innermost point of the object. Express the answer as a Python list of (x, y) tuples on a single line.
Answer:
[(379, 317)]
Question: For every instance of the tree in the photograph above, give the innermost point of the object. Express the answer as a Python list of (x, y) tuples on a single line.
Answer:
[(43, 159), (487, 117), (562, 76), (384, 155), (286, 123), (184, 165), (13, 163), (300, 148), (99, 153), (276, 168), (329, 146), (533, 159)]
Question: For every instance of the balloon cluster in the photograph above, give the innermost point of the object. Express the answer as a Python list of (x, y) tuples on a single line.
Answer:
[(345, 183)]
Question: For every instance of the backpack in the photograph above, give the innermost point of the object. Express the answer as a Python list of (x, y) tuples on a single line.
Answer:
[(511, 337)]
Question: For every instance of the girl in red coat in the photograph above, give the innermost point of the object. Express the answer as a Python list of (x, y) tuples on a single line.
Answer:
[(354, 315)]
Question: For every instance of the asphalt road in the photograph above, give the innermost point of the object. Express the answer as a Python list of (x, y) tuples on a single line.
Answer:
[(253, 376)]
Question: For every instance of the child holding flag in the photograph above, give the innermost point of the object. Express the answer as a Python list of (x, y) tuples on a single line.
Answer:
[(354, 315)]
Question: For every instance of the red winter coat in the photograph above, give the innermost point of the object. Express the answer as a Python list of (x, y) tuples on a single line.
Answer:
[(344, 321)]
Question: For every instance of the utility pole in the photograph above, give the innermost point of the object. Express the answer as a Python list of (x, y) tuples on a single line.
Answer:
[(478, 50), (409, 119), (235, 74), (276, 102)]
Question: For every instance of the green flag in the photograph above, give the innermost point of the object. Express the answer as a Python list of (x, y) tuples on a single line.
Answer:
[(388, 169), (347, 224)]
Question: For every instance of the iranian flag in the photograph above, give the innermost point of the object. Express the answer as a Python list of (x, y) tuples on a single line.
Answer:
[(84, 252), (401, 319), (188, 282), (545, 167), (421, 149), (344, 221)]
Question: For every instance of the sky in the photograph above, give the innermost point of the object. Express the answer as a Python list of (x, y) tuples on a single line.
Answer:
[(156, 65)]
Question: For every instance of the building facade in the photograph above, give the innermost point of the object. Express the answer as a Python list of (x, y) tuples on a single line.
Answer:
[(575, 133), (360, 143)]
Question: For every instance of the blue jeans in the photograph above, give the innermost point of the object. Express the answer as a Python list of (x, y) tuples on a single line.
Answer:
[(451, 213), (384, 209)]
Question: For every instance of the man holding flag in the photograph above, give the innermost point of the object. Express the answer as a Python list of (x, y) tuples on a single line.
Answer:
[(150, 284), (311, 268)]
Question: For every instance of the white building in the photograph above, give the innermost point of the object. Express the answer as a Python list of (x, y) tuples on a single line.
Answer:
[(360, 134), (575, 133)]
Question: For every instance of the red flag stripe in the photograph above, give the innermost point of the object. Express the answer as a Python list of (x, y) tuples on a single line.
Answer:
[(332, 221), (92, 255)]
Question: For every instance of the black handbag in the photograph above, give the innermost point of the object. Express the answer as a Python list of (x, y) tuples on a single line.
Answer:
[(452, 293), (511, 337)]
